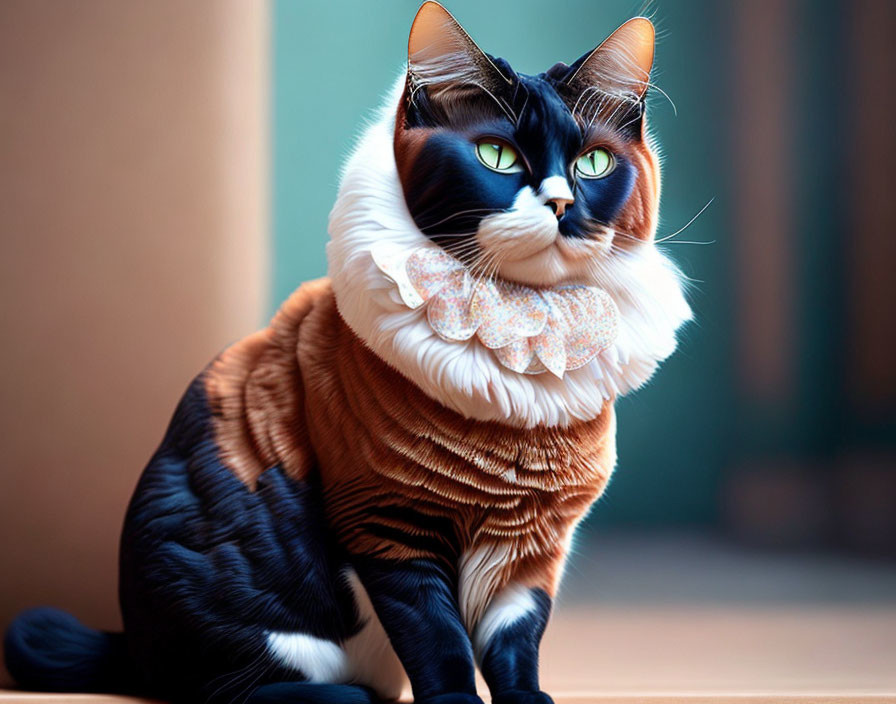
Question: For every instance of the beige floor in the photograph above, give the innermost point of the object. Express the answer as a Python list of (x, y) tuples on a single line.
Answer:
[(722, 650), (660, 619), (618, 698), (716, 653)]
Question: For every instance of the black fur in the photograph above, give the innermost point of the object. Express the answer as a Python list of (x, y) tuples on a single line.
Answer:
[(207, 569), (449, 191), (417, 604), (210, 568), (48, 649), (510, 661)]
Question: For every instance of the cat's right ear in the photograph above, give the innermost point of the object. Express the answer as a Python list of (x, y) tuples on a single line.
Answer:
[(621, 65), (447, 63)]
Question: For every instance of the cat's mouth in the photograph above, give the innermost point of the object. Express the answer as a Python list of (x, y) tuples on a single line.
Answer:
[(525, 245), (546, 257)]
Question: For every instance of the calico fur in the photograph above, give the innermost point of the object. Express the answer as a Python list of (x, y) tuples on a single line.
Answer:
[(344, 499)]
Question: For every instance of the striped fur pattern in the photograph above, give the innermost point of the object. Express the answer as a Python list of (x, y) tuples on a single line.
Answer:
[(409, 479), (406, 478)]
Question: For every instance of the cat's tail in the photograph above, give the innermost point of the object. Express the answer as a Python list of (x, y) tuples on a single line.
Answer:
[(50, 650)]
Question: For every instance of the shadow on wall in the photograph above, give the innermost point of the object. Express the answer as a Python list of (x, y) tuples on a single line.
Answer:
[(133, 194)]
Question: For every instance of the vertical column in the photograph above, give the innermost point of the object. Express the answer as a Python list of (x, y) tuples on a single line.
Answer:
[(133, 203), (872, 206), (867, 469), (763, 197)]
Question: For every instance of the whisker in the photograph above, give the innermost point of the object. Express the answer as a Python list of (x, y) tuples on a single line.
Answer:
[(689, 222), (635, 238), (655, 87), (468, 234), (662, 240), (487, 266), (461, 213), (690, 242)]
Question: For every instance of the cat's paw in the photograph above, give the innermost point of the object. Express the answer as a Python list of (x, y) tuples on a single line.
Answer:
[(517, 697), (451, 698)]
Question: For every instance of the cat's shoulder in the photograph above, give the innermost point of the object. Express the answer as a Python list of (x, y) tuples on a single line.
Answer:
[(254, 392), (274, 344)]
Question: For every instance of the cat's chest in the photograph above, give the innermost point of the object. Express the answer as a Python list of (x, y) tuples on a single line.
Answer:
[(387, 449)]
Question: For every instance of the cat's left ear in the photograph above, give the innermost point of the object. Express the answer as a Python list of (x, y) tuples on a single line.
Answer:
[(620, 66), (447, 62)]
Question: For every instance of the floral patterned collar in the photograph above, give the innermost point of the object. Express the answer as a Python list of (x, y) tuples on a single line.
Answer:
[(529, 330)]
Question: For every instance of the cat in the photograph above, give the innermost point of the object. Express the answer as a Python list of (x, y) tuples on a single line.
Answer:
[(383, 484)]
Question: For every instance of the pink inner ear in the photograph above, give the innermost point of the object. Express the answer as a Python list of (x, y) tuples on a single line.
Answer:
[(622, 63), (444, 57), (433, 27)]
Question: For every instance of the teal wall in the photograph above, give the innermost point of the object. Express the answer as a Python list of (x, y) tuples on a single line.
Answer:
[(333, 61)]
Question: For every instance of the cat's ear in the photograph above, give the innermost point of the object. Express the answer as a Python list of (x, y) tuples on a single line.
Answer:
[(621, 65), (446, 61)]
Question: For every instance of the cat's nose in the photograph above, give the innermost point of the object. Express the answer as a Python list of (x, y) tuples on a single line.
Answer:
[(559, 205), (556, 194)]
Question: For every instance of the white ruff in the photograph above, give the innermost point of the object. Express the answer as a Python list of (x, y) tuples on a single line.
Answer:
[(465, 376)]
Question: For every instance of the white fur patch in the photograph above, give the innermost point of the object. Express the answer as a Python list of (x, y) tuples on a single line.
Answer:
[(554, 187), (524, 244), (513, 603), (522, 258), (480, 573), (372, 660), (319, 660), (466, 377)]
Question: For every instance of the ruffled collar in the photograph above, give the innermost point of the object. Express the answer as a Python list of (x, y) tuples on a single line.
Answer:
[(529, 330)]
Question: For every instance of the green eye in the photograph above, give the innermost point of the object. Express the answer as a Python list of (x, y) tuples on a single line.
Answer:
[(498, 156), (595, 164)]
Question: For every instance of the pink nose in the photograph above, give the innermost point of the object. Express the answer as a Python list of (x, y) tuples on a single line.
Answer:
[(559, 205), (555, 193)]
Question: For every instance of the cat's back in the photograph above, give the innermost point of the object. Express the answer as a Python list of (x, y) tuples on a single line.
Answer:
[(226, 513), (255, 394)]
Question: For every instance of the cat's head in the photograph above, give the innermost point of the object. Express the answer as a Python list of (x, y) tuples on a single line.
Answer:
[(536, 179), (544, 180)]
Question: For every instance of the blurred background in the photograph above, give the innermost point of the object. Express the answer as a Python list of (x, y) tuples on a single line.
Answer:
[(168, 168)]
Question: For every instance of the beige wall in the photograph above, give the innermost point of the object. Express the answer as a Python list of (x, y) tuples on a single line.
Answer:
[(133, 247)]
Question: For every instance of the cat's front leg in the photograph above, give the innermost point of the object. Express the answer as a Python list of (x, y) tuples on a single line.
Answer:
[(416, 602), (506, 642), (506, 594)]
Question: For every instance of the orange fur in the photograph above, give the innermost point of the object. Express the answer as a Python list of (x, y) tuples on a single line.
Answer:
[(639, 215), (306, 393), (254, 390)]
